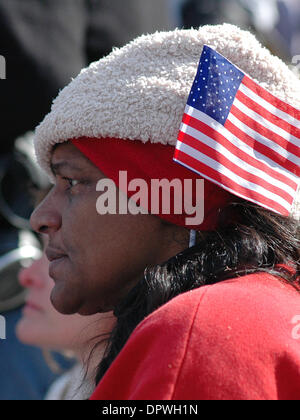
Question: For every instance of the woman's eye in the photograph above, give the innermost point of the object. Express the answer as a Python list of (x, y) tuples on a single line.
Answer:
[(72, 182)]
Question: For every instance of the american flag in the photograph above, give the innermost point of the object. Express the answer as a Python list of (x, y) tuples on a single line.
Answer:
[(239, 136)]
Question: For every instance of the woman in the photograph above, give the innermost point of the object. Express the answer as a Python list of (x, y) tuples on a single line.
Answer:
[(231, 335), (42, 326)]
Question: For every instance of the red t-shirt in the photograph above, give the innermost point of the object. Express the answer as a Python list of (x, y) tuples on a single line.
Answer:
[(238, 339)]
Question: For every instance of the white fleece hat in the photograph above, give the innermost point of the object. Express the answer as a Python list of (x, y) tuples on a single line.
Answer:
[(139, 92)]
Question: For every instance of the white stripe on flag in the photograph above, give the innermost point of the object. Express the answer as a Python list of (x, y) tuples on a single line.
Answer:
[(235, 159), (267, 124), (233, 191), (269, 107), (231, 175), (264, 140), (206, 119)]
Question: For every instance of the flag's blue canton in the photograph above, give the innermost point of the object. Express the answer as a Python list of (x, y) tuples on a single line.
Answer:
[(215, 86)]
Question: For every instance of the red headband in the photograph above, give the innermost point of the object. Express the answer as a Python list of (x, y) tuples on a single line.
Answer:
[(151, 161)]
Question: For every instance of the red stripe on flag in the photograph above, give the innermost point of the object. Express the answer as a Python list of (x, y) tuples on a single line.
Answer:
[(220, 158), (254, 106), (263, 93), (264, 150), (218, 137), (228, 183), (263, 131)]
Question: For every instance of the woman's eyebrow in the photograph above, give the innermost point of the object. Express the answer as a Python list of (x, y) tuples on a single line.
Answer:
[(57, 167)]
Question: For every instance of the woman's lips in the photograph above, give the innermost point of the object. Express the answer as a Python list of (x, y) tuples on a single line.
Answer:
[(54, 255)]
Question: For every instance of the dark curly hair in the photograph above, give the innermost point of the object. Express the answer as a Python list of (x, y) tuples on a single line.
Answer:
[(250, 240)]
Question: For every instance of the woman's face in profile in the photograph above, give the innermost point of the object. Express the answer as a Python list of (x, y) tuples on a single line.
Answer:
[(94, 259), (41, 325)]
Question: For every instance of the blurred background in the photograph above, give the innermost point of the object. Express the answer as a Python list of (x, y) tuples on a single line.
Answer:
[(45, 43)]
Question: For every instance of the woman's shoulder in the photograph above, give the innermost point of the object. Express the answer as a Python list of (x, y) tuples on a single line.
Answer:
[(255, 297), (232, 337), (233, 340)]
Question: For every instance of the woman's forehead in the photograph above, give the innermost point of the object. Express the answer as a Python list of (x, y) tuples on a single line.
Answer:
[(67, 156), (66, 151)]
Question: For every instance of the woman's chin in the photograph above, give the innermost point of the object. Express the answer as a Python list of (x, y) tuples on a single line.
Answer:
[(62, 301)]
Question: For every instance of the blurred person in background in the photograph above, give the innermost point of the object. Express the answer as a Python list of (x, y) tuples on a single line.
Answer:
[(275, 22), (41, 325), (24, 372), (43, 44)]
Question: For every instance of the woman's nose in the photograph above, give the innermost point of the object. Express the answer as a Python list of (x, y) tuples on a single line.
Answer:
[(45, 219)]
